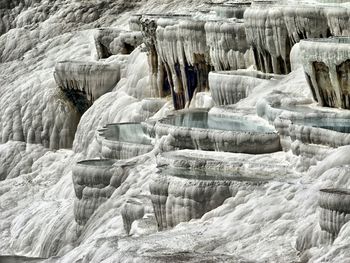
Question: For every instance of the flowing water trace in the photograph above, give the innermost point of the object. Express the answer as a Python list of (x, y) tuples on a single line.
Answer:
[(174, 131)]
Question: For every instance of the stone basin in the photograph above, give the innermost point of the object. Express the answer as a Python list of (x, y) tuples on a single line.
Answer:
[(196, 129), (231, 9), (94, 183), (228, 87), (91, 180), (124, 140), (326, 63), (179, 195), (334, 209)]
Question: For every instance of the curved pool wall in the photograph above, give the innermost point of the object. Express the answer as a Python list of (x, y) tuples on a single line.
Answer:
[(196, 129), (180, 194), (231, 9), (334, 211), (124, 140), (94, 183), (229, 87), (326, 64), (307, 130)]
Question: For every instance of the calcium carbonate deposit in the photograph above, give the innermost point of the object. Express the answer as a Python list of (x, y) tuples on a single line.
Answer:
[(174, 131)]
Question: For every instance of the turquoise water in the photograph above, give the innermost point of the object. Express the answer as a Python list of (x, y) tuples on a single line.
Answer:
[(203, 120)]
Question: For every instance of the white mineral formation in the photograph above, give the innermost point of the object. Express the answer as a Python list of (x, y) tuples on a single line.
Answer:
[(231, 9), (84, 82), (228, 87), (274, 221), (326, 64), (124, 141), (196, 129), (103, 38), (179, 195), (334, 211), (228, 45), (92, 185)]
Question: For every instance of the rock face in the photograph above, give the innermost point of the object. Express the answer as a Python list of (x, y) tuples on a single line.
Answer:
[(228, 45), (228, 87), (179, 195), (94, 182), (335, 210), (231, 9), (327, 65), (91, 179), (197, 129), (268, 36), (84, 82), (309, 132), (181, 45), (124, 140), (111, 41)]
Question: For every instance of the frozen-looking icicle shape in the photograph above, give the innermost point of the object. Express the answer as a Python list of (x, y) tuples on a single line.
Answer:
[(182, 48), (228, 45), (84, 82), (338, 18), (124, 140), (179, 195), (159, 75), (196, 129), (335, 209), (268, 35), (327, 67), (103, 38), (228, 87), (231, 9), (305, 21)]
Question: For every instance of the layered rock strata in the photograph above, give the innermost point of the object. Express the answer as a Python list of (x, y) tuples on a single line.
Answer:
[(124, 140), (84, 82)]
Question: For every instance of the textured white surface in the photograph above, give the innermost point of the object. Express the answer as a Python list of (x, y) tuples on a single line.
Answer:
[(36, 207)]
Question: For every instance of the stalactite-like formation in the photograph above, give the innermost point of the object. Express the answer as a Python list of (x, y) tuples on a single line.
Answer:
[(231, 10), (326, 64), (228, 45), (84, 82)]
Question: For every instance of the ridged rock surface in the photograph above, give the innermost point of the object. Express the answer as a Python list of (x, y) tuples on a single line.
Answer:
[(228, 45), (200, 130), (124, 140), (179, 195), (228, 87), (94, 182), (84, 82), (326, 64), (335, 209)]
